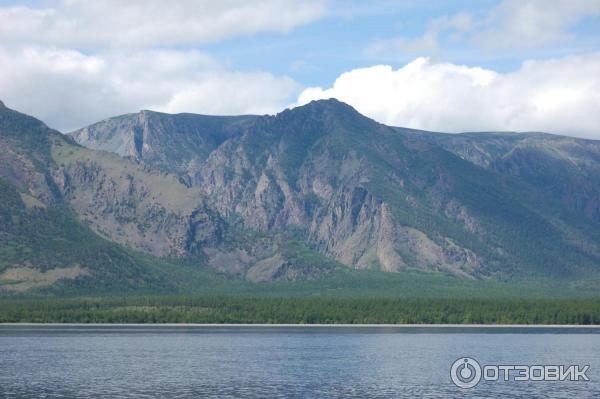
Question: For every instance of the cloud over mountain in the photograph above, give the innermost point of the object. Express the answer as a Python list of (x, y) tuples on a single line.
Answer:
[(69, 89), (74, 62), (557, 96)]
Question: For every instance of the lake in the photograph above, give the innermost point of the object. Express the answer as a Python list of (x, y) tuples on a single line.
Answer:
[(283, 362)]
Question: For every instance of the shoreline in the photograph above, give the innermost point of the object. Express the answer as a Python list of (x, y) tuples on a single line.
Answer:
[(309, 326)]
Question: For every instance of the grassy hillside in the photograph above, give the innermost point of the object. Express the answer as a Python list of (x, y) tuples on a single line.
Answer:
[(45, 245)]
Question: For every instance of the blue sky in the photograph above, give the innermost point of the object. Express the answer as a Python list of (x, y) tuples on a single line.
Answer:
[(439, 65), (338, 42), (316, 53)]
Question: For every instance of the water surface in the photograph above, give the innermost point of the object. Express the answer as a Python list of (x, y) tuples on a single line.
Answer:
[(185, 362)]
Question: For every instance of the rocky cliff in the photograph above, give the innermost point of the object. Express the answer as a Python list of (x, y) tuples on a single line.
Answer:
[(364, 194)]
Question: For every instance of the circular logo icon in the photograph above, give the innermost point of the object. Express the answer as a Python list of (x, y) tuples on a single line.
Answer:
[(465, 372)]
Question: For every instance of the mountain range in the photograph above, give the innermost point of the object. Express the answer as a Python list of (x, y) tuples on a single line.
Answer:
[(141, 200)]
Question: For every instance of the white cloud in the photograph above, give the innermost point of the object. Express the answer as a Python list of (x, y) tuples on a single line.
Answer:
[(68, 89), (511, 25), (73, 62), (533, 23), (427, 43), (557, 96), (150, 23)]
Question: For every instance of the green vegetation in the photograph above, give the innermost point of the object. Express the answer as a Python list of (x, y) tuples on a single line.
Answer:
[(538, 259), (347, 296), (301, 310), (28, 136), (48, 237)]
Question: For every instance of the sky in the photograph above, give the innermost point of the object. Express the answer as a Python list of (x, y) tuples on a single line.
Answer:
[(450, 66)]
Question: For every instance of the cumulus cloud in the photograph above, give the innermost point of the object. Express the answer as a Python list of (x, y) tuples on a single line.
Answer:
[(73, 62), (557, 96), (69, 89), (149, 23)]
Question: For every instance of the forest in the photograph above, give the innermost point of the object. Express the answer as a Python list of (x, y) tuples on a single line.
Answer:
[(277, 310)]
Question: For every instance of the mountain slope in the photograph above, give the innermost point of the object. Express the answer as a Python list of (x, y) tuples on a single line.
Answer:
[(42, 243), (564, 168), (65, 208), (148, 135), (370, 196)]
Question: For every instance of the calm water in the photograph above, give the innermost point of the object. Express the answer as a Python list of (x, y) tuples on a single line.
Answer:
[(280, 362)]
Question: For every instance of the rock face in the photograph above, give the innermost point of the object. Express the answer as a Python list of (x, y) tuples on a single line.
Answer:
[(293, 196), (155, 212), (46, 179), (564, 168), (149, 136), (295, 170), (364, 194)]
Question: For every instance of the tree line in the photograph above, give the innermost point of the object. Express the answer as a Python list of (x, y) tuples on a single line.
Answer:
[(195, 309)]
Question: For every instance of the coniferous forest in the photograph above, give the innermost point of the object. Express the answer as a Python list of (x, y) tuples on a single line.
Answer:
[(197, 309)]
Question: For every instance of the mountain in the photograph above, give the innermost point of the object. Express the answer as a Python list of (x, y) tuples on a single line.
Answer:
[(365, 194), (564, 168), (70, 217), (158, 202), (172, 142), (42, 242)]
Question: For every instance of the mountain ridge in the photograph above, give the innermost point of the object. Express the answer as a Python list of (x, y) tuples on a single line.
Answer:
[(297, 195), (288, 140)]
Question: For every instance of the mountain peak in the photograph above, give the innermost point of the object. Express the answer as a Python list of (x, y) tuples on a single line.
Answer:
[(2, 104), (331, 108), (330, 104)]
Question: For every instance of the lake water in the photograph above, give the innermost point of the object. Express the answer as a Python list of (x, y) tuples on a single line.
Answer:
[(161, 362)]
